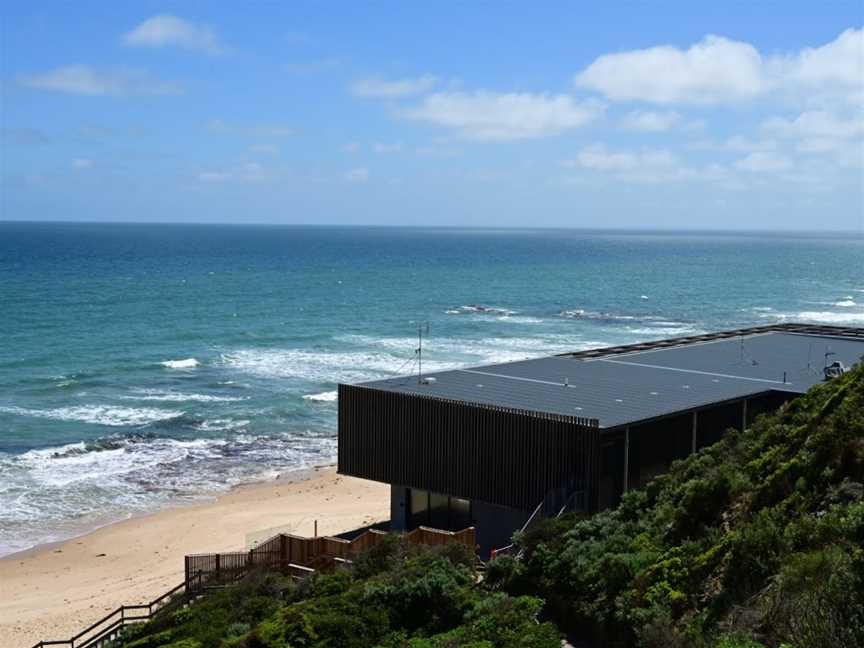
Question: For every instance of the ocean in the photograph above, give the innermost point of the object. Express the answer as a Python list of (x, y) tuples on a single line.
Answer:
[(142, 365)]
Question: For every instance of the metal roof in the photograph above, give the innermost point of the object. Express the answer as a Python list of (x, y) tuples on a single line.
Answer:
[(624, 385)]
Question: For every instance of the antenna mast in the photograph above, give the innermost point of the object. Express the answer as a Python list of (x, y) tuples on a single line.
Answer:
[(420, 351)]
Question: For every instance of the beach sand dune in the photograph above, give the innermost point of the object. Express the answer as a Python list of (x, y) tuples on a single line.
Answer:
[(53, 592)]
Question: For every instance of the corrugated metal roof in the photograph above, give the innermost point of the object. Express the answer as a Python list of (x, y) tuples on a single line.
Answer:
[(638, 383)]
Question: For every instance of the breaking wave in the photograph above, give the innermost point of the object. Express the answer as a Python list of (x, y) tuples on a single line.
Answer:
[(54, 493), (323, 397), (477, 308), (178, 397), (98, 414), (188, 363)]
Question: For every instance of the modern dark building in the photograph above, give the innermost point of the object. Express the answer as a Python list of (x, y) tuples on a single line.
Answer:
[(486, 446)]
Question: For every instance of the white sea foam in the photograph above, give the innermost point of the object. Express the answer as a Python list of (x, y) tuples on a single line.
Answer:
[(98, 414), (54, 493), (222, 425), (324, 397), (477, 308), (519, 319), (188, 363), (179, 397), (829, 317), (845, 303)]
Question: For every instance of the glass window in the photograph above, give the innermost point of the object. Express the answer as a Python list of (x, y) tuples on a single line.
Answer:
[(460, 514), (419, 507), (438, 510)]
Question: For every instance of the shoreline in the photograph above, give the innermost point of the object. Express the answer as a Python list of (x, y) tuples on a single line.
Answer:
[(287, 477), (53, 590)]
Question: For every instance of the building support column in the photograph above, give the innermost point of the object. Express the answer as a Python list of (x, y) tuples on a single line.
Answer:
[(626, 459), (693, 433), (744, 415)]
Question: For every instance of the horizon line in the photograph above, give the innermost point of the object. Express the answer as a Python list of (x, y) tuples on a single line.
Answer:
[(703, 230)]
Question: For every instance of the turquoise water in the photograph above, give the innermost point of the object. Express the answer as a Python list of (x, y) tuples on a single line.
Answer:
[(142, 364)]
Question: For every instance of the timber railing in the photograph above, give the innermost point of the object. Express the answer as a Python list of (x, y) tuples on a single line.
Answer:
[(294, 556), (298, 556), (108, 627)]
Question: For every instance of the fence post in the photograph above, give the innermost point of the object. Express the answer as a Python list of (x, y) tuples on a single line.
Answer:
[(218, 568), (283, 552), (186, 573)]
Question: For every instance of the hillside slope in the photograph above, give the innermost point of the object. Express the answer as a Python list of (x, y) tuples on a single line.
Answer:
[(757, 538)]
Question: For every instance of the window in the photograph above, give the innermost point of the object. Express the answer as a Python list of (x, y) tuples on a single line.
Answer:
[(438, 511), (419, 508)]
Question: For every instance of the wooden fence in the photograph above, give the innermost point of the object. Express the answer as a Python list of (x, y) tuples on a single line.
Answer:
[(292, 555), (108, 627), (297, 556)]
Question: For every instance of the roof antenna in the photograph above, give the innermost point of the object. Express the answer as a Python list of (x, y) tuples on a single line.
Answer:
[(420, 328)]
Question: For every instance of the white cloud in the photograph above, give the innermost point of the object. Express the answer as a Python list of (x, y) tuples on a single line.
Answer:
[(383, 147), (718, 70), (740, 144), (646, 120), (645, 166), (839, 62), (87, 80), (486, 115), (358, 175), (819, 131), (251, 130), (82, 163), (382, 88), (763, 161), (816, 124), (735, 144), (599, 158), (166, 30), (715, 69)]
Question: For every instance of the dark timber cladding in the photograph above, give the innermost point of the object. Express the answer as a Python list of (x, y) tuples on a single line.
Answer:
[(494, 454)]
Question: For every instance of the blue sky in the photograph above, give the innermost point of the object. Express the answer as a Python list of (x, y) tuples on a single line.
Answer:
[(632, 115)]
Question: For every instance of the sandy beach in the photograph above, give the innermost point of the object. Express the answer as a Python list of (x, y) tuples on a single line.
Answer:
[(54, 591)]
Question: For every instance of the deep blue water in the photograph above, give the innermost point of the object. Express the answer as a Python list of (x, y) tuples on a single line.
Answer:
[(144, 363)]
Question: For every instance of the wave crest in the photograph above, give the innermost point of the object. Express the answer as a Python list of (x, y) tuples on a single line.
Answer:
[(188, 363)]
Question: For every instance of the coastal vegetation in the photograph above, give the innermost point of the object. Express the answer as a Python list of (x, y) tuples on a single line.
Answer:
[(757, 541)]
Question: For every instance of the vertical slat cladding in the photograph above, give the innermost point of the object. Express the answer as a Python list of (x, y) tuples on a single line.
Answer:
[(493, 454)]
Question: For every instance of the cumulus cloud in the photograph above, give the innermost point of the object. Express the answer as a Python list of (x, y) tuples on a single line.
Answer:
[(720, 70), (816, 123), (599, 158), (87, 80), (384, 89), (763, 161), (646, 166), (646, 120), (358, 175), (165, 30), (504, 116), (713, 70)]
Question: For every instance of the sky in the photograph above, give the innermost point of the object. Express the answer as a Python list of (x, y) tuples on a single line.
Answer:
[(721, 115)]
